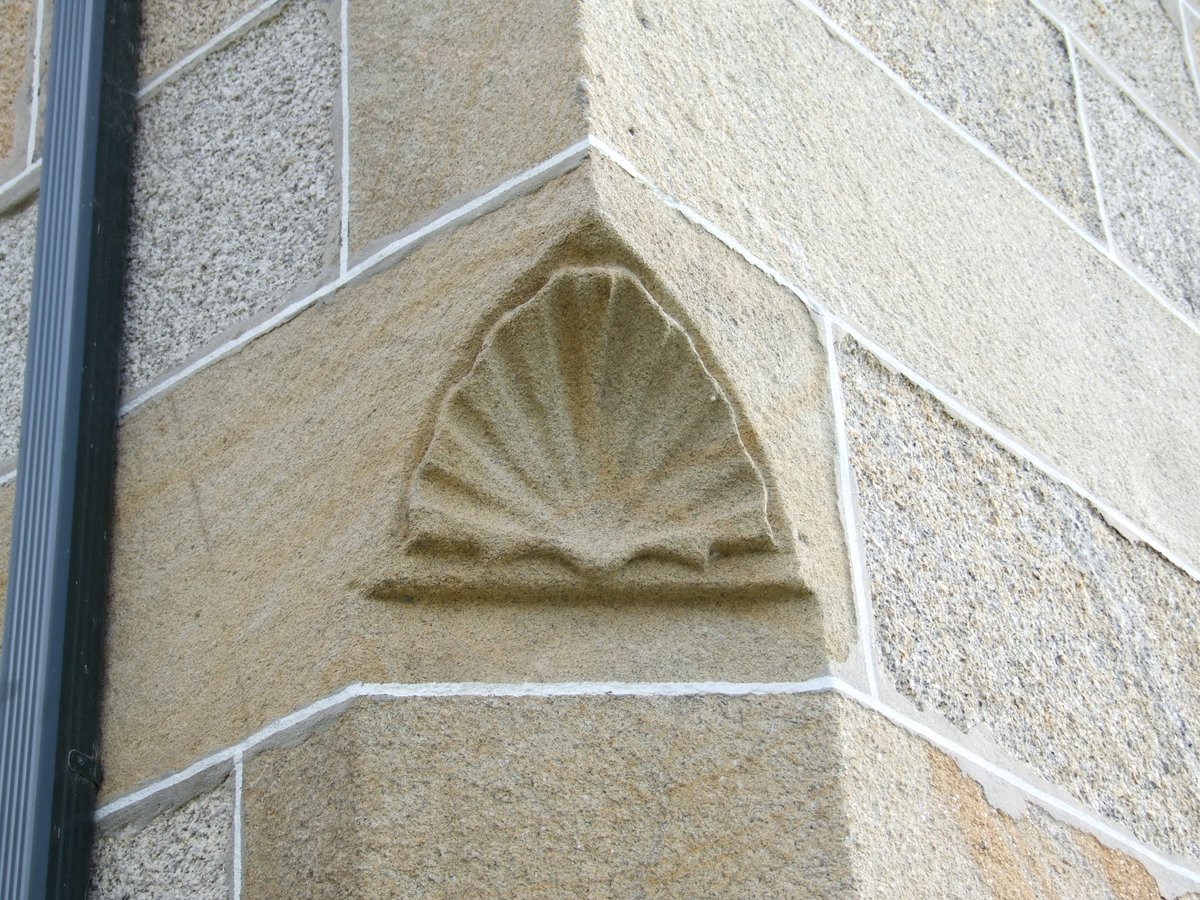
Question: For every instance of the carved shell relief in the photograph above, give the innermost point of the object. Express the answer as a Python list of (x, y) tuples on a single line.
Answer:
[(588, 432)]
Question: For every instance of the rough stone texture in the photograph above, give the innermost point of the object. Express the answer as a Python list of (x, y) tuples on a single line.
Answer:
[(1151, 191), (173, 28), (1002, 599), (1001, 70), (235, 200), (185, 853), (18, 234), (875, 209), (16, 36), (803, 795), (249, 528), (555, 462), (916, 820), (1139, 40), (569, 796), (447, 99)]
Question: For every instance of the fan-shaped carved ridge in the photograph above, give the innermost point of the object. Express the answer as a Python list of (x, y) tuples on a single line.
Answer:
[(588, 430)]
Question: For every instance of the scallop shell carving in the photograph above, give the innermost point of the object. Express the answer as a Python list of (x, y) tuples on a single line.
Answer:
[(588, 430)]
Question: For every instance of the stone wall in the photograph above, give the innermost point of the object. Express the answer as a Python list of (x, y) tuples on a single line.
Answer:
[(925, 431)]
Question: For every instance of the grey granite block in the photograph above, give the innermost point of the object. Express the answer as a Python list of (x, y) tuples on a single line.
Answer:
[(18, 232), (1139, 40), (184, 853), (235, 200), (1003, 599), (1150, 189), (173, 28), (792, 143), (999, 69)]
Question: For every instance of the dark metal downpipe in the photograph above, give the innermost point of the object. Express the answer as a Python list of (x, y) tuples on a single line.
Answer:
[(51, 663)]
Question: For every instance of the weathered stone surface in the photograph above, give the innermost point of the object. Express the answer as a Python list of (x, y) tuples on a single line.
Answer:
[(250, 609), (802, 795), (766, 344), (556, 465), (1001, 70), (876, 210), (1141, 41), (16, 37), (449, 99), (235, 200), (1151, 191), (919, 826), (173, 28), (686, 796), (18, 234), (1003, 599), (185, 853)]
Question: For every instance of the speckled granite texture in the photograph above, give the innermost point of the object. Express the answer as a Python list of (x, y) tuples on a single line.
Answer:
[(1151, 191), (1002, 599), (235, 199), (1139, 39), (182, 854), (999, 69), (18, 232)]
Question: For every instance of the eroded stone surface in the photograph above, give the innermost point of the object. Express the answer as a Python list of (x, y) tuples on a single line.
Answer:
[(250, 609), (1140, 41), (1003, 599), (185, 853), (16, 37), (920, 826), (170, 29), (801, 795), (998, 68), (235, 198), (589, 436), (686, 796), (18, 234), (1151, 191), (877, 210), (449, 99)]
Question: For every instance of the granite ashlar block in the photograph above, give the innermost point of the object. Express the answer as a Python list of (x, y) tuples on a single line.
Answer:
[(1003, 599), (1151, 191), (784, 136), (18, 234), (1001, 70), (184, 853), (449, 99), (235, 196), (1142, 42)]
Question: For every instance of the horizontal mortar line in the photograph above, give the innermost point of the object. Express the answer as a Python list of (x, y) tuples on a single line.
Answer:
[(961, 131), (292, 726), (1114, 77), (1118, 519), (20, 186), (225, 36), (516, 186)]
